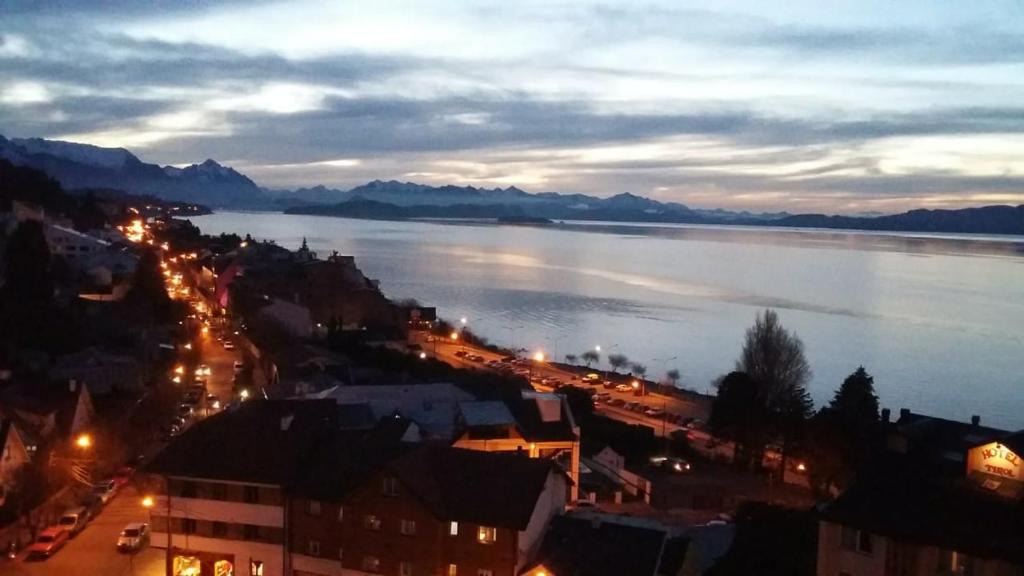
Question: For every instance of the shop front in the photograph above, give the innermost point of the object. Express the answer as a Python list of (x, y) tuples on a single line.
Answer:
[(197, 563)]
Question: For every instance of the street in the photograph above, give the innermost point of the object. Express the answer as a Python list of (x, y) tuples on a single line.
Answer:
[(94, 550)]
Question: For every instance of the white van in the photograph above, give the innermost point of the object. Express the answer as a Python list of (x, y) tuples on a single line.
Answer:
[(73, 520)]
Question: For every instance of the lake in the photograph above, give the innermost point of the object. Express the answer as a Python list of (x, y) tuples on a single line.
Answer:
[(938, 320)]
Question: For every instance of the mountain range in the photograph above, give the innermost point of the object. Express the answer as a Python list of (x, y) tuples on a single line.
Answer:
[(83, 166)]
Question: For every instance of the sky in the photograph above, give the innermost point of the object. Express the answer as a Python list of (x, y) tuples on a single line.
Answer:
[(836, 106)]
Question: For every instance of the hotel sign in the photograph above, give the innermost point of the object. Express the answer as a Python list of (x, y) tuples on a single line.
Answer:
[(996, 460)]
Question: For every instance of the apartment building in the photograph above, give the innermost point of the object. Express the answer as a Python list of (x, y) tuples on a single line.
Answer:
[(276, 487)]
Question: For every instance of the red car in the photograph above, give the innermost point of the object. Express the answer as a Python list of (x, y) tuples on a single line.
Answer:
[(49, 541)]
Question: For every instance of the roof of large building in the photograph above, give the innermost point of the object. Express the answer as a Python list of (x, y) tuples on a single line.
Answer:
[(951, 514), (260, 441), (488, 488), (434, 407), (586, 546)]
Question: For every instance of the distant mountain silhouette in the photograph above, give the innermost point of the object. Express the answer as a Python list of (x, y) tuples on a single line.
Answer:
[(78, 166), (84, 166)]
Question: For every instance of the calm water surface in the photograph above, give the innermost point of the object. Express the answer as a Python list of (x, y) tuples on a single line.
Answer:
[(939, 321)]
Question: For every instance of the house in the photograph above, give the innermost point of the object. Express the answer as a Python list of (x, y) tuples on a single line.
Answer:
[(277, 487), (433, 510), (955, 506), (47, 411), (594, 544), (13, 456), (536, 424)]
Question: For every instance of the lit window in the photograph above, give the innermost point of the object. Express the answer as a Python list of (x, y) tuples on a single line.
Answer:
[(408, 527), (313, 507), (486, 535), (255, 567), (371, 522), (405, 568), (313, 547), (453, 570), (453, 528), (390, 486), (371, 564)]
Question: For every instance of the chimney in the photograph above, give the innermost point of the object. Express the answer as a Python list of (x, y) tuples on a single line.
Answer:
[(904, 412), (975, 420), (885, 415), (72, 385), (286, 422)]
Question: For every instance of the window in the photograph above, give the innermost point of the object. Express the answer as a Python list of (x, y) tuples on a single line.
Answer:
[(341, 513), (390, 486), (250, 532), (252, 494), (188, 489), (453, 570), (956, 563), (188, 526), (255, 567), (405, 569), (453, 528), (483, 572), (371, 522), (486, 535), (408, 527), (313, 507), (220, 529), (218, 492), (313, 547), (371, 564), (856, 540)]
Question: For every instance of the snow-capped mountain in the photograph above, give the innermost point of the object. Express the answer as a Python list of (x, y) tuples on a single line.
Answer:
[(85, 166)]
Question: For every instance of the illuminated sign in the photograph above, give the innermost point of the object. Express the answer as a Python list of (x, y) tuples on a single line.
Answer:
[(996, 460)]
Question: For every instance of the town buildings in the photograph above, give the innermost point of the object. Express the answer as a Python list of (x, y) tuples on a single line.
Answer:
[(278, 487), (946, 498)]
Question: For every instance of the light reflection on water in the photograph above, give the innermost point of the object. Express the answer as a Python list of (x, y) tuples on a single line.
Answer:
[(939, 321)]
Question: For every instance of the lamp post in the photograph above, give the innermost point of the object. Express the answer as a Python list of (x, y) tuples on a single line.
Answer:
[(463, 321), (538, 357)]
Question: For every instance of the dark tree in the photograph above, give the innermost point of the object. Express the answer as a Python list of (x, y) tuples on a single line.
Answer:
[(774, 359), (27, 264), (570, 359), (739, 414), (590, 357), (673, 376), (617, 361), (855, 404)]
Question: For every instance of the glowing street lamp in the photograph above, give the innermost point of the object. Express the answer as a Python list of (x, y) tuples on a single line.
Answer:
[(455, 336), (179, 369), (147, 502), (244, 394), (597, 348), (801, 467), (538, 356), (423, 355), (84, 441)]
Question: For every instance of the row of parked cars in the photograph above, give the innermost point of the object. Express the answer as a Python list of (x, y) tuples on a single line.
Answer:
[(75, 519), (649, 411)]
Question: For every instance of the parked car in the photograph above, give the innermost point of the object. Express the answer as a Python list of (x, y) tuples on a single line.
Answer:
[(239, 366), (133, 537), (602, 396), (185, 410), (105, 490), (229, 345), (123, 476), (74, 520), (592, 377), (654, 412), (623, 388), (608, 385), (634, 406), (203, 370), (48, 543), (671, 463), (616, 402), (212, 402), (460, 353)]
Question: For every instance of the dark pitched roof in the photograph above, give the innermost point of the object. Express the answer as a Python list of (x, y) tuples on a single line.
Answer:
[(489, 488), (1015, 442), (261, 441), (590, 547), (531, 424), (948, 514)]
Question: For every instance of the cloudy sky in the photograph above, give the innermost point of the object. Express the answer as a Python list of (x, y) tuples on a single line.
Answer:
[(803, 105)]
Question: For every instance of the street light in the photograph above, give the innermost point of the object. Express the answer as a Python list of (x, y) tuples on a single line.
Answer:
[(539, 356), (455, 336), (83, 441), (147, 502), (423, 355)]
